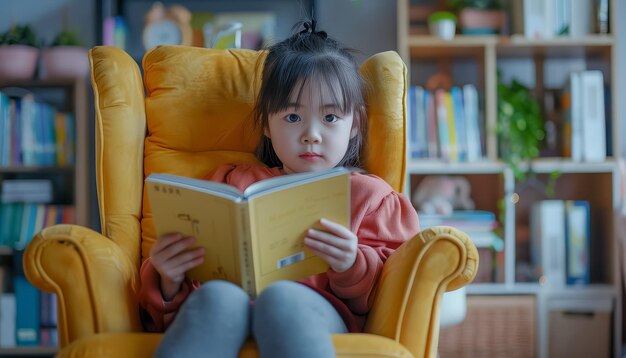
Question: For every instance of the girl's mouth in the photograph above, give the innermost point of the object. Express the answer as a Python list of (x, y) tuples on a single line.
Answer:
[(310, 156)]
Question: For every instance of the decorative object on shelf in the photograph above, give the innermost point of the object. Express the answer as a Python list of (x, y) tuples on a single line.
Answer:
[(65, 58), (223, 37), (480, 17), (114, 32), (248, 29), (418, 16), (442, 194), (519, 126), (171, 26), (19, 51), (442, 24)]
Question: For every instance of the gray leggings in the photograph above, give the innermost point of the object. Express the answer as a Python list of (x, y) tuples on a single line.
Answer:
[(287, 320)]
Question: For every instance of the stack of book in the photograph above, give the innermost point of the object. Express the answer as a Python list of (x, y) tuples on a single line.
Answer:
[(29, 316), (33, 133), (479, 225), (445, 125), (560, 242), (544, 19)]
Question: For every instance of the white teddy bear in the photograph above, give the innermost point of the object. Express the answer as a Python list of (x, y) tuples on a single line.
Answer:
[(442, 194)]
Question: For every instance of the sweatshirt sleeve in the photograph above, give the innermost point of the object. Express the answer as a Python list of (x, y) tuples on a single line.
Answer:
[(380, 232), (156, 313)]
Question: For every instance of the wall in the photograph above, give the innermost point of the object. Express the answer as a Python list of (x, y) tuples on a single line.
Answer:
[(620, 29), (368, 26), (47, 17)]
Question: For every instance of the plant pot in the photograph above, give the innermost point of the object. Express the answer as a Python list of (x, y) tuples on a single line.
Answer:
[(64, 62), (444, 29), (481, 22), (18, 62)]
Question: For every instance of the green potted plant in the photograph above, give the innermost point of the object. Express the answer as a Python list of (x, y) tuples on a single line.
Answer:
[(442, 24), (520, 126), (479, 17), (19, 50), (65, 57)]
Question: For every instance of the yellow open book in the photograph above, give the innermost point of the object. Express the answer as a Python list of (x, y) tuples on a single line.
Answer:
[(255, 237)]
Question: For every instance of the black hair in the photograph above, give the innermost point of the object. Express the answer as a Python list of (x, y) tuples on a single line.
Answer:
[(310, 55)]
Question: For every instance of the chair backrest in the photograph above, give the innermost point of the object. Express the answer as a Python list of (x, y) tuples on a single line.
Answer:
[(193, 114)]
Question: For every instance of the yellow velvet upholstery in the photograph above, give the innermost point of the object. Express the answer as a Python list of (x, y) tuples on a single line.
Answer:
[(188, 113)]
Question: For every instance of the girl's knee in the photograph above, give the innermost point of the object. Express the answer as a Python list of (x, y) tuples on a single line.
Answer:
[(282, 297), (218, 293)]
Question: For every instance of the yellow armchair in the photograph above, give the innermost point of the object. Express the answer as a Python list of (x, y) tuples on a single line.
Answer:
[(186, 115)]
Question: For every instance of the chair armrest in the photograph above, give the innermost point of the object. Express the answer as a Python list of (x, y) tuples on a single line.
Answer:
[(414, 278), (93, 279)]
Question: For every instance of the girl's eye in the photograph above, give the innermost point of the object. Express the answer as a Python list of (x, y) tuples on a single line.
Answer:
[(292, 118), (330, 118)]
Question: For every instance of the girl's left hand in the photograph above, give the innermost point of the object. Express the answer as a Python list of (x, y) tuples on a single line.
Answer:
[(336, 244)]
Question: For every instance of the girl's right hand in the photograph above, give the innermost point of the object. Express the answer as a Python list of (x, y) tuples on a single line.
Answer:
[(171, 258)]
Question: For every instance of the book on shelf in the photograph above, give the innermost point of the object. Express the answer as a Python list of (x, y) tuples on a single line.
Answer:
[(431, 120), (593, 118), (254, 237), (445, 124), (545, 19), (480, 226), (560, 241), (547, 220), (577, 243), (34, 133), (585, 123), (26, 190), (418, 130), (441, 113), (470, 106), (20, 221), (27, 306), (7, 319), (456, 97)]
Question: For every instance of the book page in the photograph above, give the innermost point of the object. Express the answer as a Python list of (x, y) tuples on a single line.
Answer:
[(279, 221), (212, 220), (205, 186), (266, 186)]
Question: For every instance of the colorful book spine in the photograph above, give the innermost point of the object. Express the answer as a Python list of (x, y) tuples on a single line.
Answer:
[(577, 243), (442, 125), (456, 95), (470, 106), (452, 130)]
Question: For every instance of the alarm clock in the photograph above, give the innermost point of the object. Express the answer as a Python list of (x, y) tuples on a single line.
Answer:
[(171, 26)]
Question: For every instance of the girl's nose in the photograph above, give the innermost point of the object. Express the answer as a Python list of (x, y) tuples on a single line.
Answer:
[(311, 136), (311, 139)]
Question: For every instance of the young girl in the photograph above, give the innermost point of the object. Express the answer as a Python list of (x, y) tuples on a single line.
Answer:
[(312, 113)]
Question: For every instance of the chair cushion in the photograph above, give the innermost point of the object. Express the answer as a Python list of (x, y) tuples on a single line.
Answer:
[(198, 109), (137, 345), (193, 94)]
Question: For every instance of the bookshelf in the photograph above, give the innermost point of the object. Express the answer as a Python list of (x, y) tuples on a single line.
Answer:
[(69, 181), (476, 60)]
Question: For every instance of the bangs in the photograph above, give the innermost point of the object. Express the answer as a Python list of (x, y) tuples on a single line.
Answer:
[(331, 73)]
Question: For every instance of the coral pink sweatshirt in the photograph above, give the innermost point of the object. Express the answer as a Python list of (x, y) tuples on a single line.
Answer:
[(381, 218)]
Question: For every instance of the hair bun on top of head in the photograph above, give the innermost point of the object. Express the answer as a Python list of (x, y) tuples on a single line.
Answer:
[(309, 26)]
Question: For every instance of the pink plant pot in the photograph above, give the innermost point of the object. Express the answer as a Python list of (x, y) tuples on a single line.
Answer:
[(18, 62), (478, 21), (64, 62)]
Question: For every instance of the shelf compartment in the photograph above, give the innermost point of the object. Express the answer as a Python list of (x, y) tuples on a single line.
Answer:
[(441, 167), (589, 46), (430, 47), (29, 351), (35, 169), (595, 187)]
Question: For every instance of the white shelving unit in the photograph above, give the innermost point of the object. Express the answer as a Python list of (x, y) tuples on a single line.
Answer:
[(492, 180)]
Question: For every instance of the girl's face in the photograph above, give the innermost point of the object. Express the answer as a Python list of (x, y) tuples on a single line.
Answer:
[(311, 135)]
